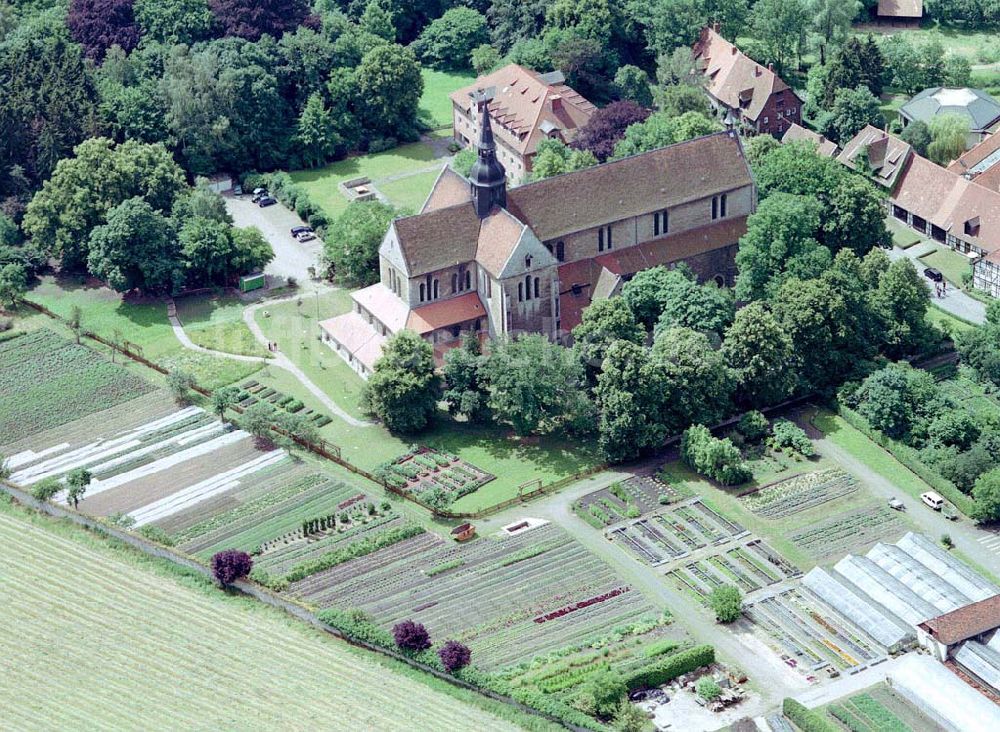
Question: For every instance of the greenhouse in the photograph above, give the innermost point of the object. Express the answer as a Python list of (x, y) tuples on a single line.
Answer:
[(981, 661), (969, 583), (889, 632), (915, 576), (885, 589)]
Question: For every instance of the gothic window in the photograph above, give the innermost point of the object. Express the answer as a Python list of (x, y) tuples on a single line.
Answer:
[(536, 287), (722, 206), (715, 207), (561, 251), (520, 292), (454, 282), (468, 280), (527, 287), (423, 292), (436, 295)]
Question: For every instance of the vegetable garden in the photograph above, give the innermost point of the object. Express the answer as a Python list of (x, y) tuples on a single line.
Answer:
[(749, 566), (880, 710), (251, 392), (437, 477), (488, 593), (799, 493), (47, 381), (848, 531), (630, 498), (673, 534)]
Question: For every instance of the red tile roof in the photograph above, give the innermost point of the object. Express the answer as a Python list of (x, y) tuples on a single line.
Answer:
[(443, 313), (525, 105), (824, 147), (734, 78), (965, 622), (449, 189)]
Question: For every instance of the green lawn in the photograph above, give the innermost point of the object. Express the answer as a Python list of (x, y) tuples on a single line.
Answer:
[(902, 235), (143, 643), (322, 183), (143, 324), (513, 462), (435, 103), (409, 193), (937, 316), (216, 322), (952, 264)]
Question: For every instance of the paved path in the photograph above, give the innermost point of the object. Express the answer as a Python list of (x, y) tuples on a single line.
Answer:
[(955, 302), (848, 684), (280, 360)]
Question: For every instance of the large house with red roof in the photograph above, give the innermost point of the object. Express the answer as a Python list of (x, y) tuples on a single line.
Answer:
[(951, 205), (526, 107), (482, 259), (739, 86)]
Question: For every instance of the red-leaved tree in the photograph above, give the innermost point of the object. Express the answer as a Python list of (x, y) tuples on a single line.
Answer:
[(607, 126), (411, 636), (231, 565), (251, 19), (454, 655), (97, 25)]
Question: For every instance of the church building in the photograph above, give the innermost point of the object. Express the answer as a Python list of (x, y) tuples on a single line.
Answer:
[(496, 262)]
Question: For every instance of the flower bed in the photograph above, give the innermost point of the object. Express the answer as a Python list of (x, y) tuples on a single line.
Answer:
[(563, 611)]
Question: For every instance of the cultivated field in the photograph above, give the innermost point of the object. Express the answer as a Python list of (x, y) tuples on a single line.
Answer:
[(92, 639), (494, 594)]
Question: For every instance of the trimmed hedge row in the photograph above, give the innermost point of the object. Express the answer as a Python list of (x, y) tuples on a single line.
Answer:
[(806, 719), (357, 626), (671, 667), (909, 457)]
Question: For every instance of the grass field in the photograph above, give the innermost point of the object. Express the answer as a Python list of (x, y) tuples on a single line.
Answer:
[(409, 193), (142, 324), (134, 645), (216, 322), (902, 236), (952, 264), (435, 103), (416, 158)]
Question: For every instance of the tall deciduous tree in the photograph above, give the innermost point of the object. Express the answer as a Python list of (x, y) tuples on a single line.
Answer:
[(633, 85), (447, 42), (607, 126), (99, 24), (177, 21), (536, 386), (13, 284), (762, 357), (901, 301), (402, 391), (251, 19), (698, 381), (781, 27), (552, 157), (852, 110), (390, 85), (465, 392), (135, 249), (85, 187), (604, 322), (230, 565), (630, 391), (659, 130), (353, 240)]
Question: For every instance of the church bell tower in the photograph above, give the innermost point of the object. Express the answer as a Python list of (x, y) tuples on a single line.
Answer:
[(488, 177)]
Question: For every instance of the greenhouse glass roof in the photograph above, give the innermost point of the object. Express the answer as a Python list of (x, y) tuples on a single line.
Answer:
[(884, 629)]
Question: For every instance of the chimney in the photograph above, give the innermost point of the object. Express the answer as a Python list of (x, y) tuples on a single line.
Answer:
[(716, 27), (556, 102), (734, 49), (770, 67), (757, 71)]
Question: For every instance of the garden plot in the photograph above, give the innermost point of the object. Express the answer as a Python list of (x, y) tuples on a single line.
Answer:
[(675, 533), (47, 381), (881, 709), (251, 392), (810, 636), (750, 567), (425, 471), (849, 531), (800, 493), (636, 496), (509, 599)]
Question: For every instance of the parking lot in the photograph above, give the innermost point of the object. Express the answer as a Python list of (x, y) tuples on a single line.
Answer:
[(291, 258)]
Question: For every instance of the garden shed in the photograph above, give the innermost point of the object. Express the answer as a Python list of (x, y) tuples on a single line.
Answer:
[(252, 282), (463, 532)]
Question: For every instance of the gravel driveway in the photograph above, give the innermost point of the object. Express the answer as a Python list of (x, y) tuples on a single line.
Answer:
[(291, 258)]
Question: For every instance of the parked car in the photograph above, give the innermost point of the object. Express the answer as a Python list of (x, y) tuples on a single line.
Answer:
[(304, 236), (933, 274), (266, 201), (896, 504), (932, 499), (238, 191), (296, 230), (259, 193)]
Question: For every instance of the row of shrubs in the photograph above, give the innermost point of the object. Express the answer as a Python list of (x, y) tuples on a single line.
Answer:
[(291, 195), (359, 627), (671, 667), (910, 457), (806, 719)]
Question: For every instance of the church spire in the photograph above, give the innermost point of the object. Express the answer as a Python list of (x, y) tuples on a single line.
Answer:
[(488, 178)]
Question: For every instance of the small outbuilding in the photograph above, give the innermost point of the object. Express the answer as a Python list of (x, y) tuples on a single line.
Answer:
[(979, 108), (463, 532), (900, 12)]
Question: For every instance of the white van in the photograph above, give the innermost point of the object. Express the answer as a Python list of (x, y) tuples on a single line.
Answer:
[(932, 499)]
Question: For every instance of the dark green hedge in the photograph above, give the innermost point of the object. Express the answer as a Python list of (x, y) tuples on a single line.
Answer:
[(669, 668), (911, 459), (806, 719)]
